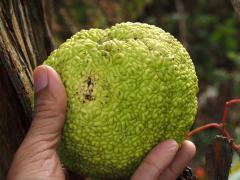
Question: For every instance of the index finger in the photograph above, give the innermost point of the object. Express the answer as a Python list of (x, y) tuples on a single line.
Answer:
[(183, 156), (156, 161)]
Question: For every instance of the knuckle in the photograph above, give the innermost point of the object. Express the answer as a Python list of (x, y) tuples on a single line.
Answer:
[(152, 165), (47, 109)]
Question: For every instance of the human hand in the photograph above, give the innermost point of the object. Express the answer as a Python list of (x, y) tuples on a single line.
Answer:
[(165, 161), (37, 157)]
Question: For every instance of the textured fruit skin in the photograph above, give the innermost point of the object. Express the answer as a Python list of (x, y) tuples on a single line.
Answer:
[(129, 87)]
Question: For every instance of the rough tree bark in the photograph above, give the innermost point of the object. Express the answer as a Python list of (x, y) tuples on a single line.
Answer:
[(25, 42)]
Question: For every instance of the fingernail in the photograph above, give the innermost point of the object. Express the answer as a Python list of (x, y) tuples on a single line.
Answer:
[(40, 79)]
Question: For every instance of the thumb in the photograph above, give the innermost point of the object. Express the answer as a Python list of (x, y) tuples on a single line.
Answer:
[(49, 108), (37, 157)]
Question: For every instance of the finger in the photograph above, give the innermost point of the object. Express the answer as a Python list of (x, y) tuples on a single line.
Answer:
[(156, 161), (38, 149), (181, 160), (50, 106)]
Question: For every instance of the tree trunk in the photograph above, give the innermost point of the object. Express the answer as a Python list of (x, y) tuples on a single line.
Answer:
[(25, 42), (236, 6), (181, 22)]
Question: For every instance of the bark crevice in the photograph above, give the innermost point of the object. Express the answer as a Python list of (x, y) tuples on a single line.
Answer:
[(25, 41)]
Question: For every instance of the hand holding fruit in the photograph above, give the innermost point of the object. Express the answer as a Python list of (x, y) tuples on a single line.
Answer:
[(37, 157)]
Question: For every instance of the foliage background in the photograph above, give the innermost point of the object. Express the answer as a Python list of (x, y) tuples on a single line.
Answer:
[(209, 29)]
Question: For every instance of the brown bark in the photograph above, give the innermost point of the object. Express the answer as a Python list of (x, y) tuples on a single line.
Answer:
[(181, 22), (24, 43), (219, 159), (236, 6)]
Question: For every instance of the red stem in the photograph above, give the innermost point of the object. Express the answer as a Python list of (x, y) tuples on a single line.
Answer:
[(220, 126), (228, 104), (204, 127)]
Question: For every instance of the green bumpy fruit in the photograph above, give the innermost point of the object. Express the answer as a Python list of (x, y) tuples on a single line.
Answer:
[(129, 87)]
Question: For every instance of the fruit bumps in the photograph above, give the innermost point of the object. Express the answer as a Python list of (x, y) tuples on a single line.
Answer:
[(129, 87)]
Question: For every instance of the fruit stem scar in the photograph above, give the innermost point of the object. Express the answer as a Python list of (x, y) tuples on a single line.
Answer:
[(220, 126), (88, 94)]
